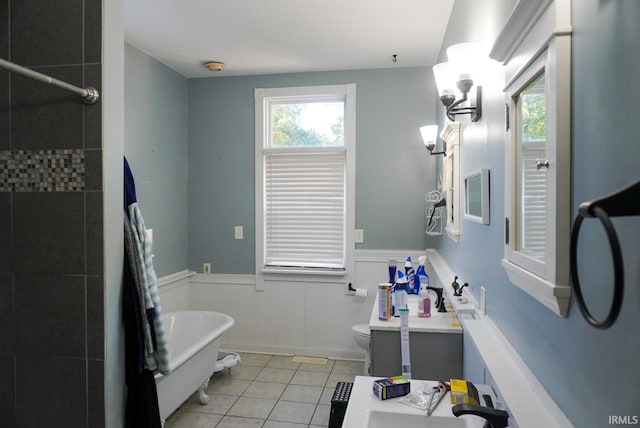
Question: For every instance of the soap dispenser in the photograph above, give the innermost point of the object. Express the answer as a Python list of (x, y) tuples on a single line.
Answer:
[(424, 303)]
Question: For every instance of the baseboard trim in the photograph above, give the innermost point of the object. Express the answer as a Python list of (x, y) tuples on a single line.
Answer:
[(334, 354)]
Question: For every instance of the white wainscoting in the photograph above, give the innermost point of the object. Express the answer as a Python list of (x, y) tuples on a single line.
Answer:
[(175, 291), (300, 318), (315, 319)]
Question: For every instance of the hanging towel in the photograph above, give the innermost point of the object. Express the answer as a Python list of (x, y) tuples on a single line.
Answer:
[(159, 359), (141, 409), (136, 270), (129, 187)]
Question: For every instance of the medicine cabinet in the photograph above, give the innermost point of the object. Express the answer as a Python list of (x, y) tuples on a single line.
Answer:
[(538, 154)]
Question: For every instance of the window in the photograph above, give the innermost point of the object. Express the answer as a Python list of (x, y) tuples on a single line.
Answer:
[(304, 179), (530, 135), (538, 163)]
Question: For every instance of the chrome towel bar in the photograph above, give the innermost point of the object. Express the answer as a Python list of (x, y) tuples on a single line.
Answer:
[(89, 95)]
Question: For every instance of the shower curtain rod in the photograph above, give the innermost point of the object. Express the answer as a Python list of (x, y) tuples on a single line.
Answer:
[(89, 95)]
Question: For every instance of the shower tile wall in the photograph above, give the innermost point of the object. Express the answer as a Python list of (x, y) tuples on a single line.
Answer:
[(51, 245)]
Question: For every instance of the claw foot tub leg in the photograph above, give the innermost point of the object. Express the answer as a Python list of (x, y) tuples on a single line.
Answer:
[(203, 398)]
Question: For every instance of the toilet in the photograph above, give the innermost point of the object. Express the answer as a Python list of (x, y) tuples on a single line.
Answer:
[(361, 336)]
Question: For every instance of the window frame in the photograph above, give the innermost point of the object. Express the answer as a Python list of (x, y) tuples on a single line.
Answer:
[(513, 252), (545, 44), (451, 184), (263, 98)]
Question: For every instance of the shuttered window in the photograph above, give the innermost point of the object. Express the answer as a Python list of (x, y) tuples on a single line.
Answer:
[(532, 213), (305, 208), (533, 204), (304, 179)]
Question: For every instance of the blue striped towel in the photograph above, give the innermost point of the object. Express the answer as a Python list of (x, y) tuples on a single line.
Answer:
[(160, 359)]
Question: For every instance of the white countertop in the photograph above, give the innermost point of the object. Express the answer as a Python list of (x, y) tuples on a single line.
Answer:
[(438, 322), (362, 402)]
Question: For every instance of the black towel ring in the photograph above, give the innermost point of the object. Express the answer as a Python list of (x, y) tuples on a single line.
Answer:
[(618, 270), (624, 202)]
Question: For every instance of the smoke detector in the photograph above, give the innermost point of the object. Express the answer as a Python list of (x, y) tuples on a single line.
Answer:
[(214, 65)]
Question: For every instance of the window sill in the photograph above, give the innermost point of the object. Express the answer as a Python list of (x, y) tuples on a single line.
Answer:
[(553, 296), (303, 272), (453, 233)]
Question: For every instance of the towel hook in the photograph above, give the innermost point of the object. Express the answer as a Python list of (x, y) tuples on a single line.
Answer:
[(624, 202)]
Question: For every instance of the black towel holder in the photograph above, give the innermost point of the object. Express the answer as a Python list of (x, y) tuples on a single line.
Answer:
[(624, 202)]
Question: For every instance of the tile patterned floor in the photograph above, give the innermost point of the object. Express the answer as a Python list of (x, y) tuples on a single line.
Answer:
[(268, 391)]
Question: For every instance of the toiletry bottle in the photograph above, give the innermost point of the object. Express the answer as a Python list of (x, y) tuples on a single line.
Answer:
[(384, 301), (401, 293), (410, 275), (424, 303), (393, 266), (394, 282), (394, 299), (422, 279)]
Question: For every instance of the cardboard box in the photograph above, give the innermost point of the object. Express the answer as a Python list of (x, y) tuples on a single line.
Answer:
[(395, 386), (463, 392)]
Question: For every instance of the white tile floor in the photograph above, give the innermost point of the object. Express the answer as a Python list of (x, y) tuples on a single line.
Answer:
[(268, 391)]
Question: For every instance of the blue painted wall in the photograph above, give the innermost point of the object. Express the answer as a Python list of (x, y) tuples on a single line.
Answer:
[(393, 171), (590, 373), (156, 107)]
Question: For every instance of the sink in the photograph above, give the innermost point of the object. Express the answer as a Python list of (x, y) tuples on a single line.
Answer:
[(382, 419), (365, 410)]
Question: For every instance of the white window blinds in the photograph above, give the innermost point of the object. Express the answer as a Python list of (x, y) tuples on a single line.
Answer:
[(533, 219), (304, 194)]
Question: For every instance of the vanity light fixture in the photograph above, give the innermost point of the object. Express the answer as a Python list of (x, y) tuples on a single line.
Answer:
[(429, 137), (464, 72)]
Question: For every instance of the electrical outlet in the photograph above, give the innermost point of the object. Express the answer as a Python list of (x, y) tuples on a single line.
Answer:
[(359, 236), (239, 232), (206, 267)]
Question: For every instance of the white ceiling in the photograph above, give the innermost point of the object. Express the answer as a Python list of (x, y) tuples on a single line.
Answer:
[(282, 36)]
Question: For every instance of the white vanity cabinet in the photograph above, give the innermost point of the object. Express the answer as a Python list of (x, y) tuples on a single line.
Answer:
[(435, 345)]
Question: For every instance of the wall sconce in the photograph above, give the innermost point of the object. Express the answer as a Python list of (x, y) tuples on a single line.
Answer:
[(463, 71), (429, 136)]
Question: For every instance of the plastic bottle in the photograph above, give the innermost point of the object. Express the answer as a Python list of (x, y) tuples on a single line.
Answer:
[(384, 301), (394, 300), (394, 283), (424, 303), (410, 275), (422, 281), (393, 266), (400, 294), (422, 278)]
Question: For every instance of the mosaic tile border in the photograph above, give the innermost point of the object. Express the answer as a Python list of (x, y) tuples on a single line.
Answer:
[(42, 170)]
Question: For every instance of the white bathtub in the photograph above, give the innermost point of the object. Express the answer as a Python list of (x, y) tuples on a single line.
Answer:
[(194, 339)]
